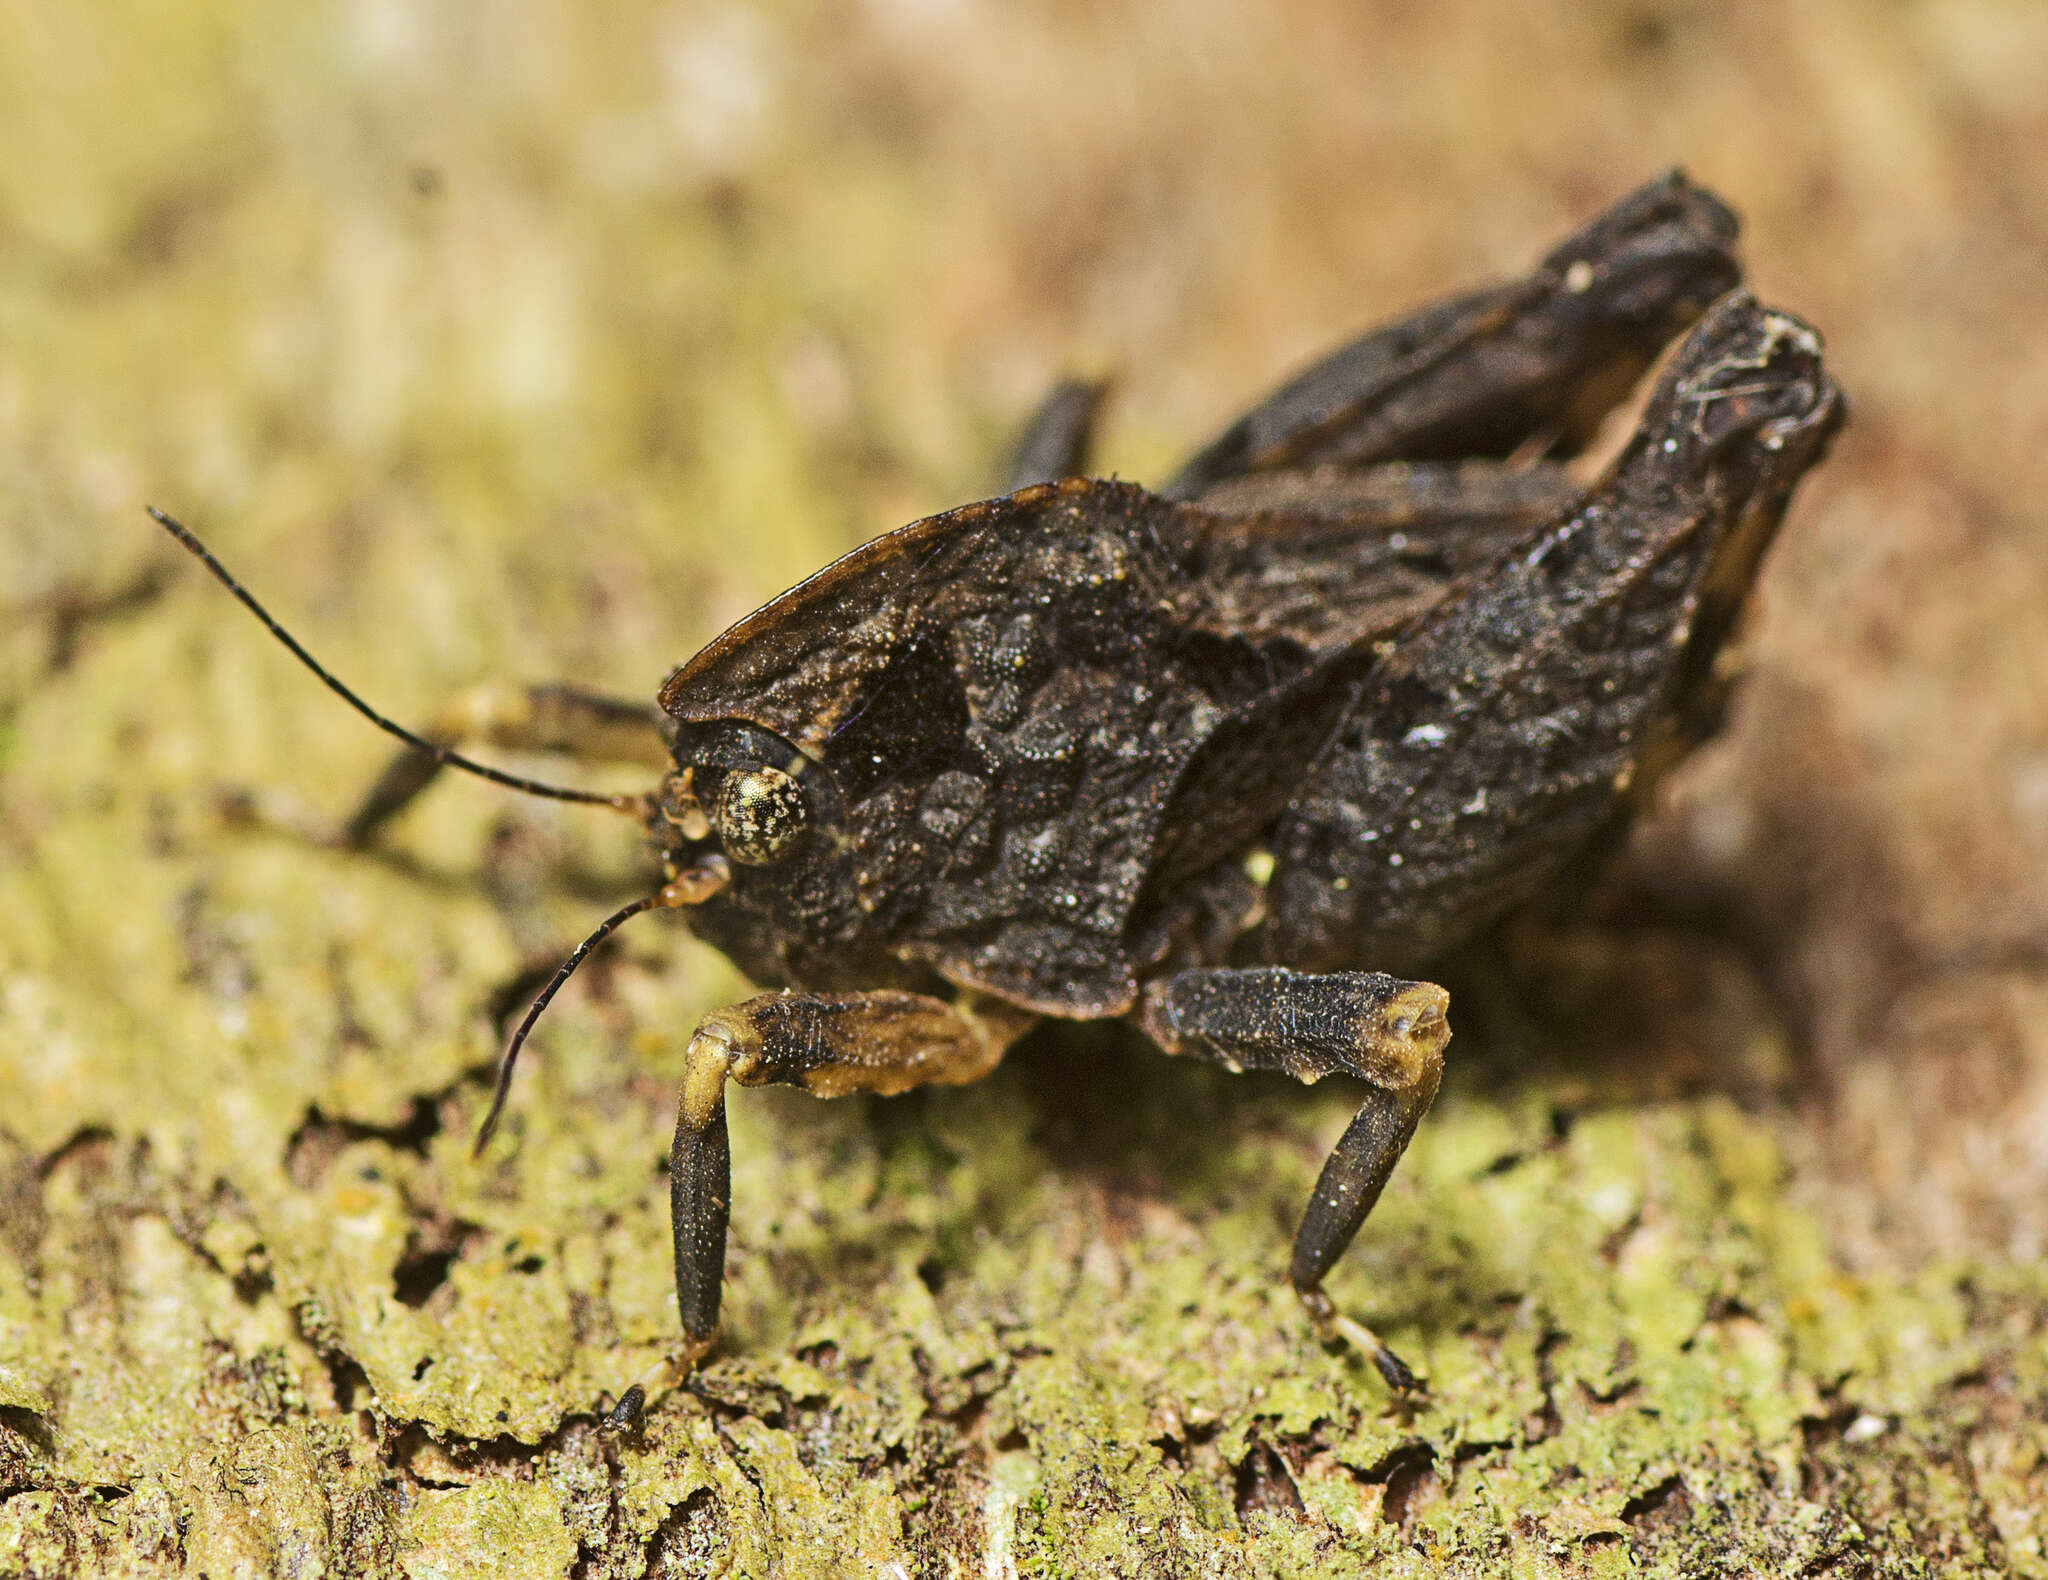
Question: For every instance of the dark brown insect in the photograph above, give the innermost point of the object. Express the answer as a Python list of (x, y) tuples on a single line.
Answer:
[(1364, 676)]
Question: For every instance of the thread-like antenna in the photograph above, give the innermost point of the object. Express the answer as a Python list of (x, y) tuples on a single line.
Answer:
[(692, 886), (419, 743), (605, 929)]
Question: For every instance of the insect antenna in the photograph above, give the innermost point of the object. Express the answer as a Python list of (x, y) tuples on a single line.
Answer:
[(419, 743), (604, 930), (691, 887)]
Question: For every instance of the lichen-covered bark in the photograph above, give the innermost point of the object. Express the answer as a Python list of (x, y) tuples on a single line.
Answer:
[(540, 342)]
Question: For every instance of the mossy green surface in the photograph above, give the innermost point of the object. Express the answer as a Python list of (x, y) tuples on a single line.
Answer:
[(526, 344)]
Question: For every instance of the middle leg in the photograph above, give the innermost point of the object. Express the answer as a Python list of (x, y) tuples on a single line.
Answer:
[(1059, 437), (1388, 1032)]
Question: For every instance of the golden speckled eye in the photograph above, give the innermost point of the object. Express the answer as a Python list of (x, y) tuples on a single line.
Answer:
[(760, 815)]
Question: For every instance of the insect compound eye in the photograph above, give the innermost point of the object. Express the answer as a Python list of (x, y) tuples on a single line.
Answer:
[(760, 815)]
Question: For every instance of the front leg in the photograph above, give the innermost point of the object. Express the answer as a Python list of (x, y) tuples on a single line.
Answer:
[(1388, 1032), (557, 718), (882, 1042)]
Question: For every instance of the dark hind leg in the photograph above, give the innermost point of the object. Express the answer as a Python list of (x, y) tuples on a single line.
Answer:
[(566, 719), (1484, 373), (884, 1042), (1388, 1032)]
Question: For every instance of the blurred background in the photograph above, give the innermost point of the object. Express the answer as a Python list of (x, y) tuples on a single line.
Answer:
[(534, 341)]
